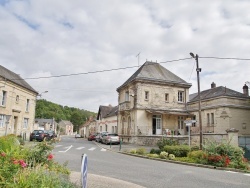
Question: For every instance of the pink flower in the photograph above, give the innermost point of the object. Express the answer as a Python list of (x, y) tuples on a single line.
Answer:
[(22, 163), (50, 157), (15, 161), (3, 154)]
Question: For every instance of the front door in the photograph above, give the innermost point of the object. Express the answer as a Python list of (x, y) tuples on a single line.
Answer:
[(156, 127)]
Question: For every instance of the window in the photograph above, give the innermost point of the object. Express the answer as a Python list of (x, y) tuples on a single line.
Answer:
[(17, 98), (25, 123), (27, 105), (212, 118), (106, 127), (208, 119), (146, 95), (126, 96), (180, 96), (2, 120), (180, 122), (3, 97), (194, 124), (100, 128), (166, 97)]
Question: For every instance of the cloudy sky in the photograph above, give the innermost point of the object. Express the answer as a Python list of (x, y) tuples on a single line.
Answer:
[(46, 38)]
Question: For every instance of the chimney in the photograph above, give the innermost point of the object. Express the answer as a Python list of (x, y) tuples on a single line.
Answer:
[(245, 90), (213, 85)]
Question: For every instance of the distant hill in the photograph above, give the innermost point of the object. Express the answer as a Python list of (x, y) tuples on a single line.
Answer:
[(48, 110)]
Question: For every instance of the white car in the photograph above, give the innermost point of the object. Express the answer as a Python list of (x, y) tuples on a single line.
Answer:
[(77, 136)]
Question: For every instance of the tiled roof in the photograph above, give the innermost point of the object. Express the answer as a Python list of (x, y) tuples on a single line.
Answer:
[(113, 112), (155, 72), (216, 92), (106, 111), (15, 78)]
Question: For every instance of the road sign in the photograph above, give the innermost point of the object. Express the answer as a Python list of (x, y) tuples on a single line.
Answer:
[(84, 170), (189, 122)]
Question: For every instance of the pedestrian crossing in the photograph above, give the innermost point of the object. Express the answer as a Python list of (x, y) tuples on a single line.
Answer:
[(63, 148)]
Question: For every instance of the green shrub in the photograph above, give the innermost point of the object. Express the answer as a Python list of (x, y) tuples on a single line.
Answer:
[(185, 159), (195, 148), (164, 155), (177, 150), (153, 155), (133, 151), (155, 151), (141, 151), (197, 155), (163, 142), (171, 156)]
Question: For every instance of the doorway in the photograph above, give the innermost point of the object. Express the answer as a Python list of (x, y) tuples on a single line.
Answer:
[(156, 125)]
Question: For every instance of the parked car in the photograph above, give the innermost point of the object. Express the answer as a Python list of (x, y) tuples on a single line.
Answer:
[(51, 134), (91, 137), (98, 137), (39, 135), (77, 136), (111, 138)]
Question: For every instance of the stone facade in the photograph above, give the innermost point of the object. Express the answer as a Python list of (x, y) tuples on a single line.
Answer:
[(17, 101), (65, 128)]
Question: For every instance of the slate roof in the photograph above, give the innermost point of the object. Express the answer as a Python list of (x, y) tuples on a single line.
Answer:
[(216, 92), (106, 111), (15, 78), (152, 71)]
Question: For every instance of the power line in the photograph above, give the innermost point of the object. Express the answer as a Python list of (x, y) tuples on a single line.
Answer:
[(232, 58), (93, 72)]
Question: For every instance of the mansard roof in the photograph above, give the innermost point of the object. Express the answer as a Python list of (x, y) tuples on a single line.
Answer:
[(15, 78), (151, 71), (216, 92)]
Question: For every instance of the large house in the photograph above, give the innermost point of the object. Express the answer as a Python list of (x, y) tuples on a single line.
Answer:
[(17, 104), (45, 124), (155, 102), (65, 127)]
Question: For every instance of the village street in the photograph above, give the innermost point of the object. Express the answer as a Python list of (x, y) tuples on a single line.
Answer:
[(143, 172)]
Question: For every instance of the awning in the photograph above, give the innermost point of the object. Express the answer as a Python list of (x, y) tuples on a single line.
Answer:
[(169, 112)]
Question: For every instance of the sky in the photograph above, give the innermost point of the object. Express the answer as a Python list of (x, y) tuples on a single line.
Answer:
[(87, 49)]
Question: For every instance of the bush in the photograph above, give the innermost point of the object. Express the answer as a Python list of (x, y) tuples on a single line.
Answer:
[(171, 156), (164, 142), (153, 155), (195, 148), (164, 155), (155, 151), (197, 155), (177, 150), (141, 151), (185, 159), (133, 151)]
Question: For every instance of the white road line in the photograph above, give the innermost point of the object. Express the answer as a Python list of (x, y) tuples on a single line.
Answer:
[(103, 149), (68, 148), (56, 146), (80, 148), (247, 174), (91, 149), (232, 172)]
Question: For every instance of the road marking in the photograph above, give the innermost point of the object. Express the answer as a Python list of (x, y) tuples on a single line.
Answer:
[(67, 149), (232, 172), (80, 148), (56, 146), (91, 149), (103, 149), (247, 174)]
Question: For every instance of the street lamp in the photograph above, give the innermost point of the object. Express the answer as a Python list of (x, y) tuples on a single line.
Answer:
[(198, 70), (40, 95)]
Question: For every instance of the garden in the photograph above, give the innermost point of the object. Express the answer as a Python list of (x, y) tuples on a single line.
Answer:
[(213, 154), (28, 166)]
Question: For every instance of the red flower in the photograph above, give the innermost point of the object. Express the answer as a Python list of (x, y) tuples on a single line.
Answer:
[(22, 163), (15, 161), (50, 157), (3, 154)]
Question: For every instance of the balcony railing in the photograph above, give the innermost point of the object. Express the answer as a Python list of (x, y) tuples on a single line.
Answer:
[(206, 129), (124, 106)]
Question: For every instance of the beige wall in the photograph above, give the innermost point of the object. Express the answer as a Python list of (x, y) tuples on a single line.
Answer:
[(111, 123), (17, 109)]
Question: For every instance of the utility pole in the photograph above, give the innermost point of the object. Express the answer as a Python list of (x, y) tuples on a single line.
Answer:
[(198, 70), (138, 55)]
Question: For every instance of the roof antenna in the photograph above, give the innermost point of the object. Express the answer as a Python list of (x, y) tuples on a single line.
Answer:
[(138, 55)]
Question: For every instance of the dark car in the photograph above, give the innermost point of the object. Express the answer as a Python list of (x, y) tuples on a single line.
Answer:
[(51, 134), (91, 137), (39, 135)]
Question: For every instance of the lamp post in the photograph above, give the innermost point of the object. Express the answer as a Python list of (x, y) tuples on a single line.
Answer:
[(40, 95), (198, 70)]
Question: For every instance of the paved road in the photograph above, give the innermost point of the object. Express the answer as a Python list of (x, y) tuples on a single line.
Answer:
[(142, 172)]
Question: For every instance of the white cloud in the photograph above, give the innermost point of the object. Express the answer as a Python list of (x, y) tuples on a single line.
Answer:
[(43, 38)]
